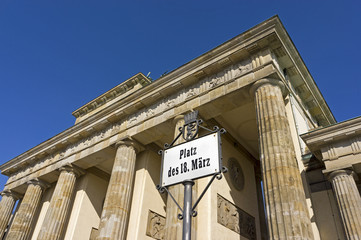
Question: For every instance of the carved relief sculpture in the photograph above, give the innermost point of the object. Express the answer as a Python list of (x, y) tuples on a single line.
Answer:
[(235, 219), (236, 174), (155, 226)]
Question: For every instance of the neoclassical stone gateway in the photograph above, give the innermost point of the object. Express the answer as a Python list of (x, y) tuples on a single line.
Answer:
[(96, 180)]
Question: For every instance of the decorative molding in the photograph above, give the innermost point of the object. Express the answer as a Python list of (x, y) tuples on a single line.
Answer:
[(11, 193), (257, 60), (235, 219), (112, 93), (201, 87), (356, 145), (77, 171), (279, 52), (336, 133), (331, 152), (292, 71), (271, 28), (38, 182), (155, 225)]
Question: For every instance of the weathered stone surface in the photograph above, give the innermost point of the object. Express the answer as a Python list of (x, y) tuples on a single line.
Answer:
[(6, 207), (173, 226), (114, 218), (234, 218), (348, 200), (94, 234), (57, 213), (20, 227), (156, 224), (284, 195), (210, 87)]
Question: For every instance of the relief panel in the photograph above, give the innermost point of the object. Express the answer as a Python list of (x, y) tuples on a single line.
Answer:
[(204, 85), (155, 225), (235, 219)]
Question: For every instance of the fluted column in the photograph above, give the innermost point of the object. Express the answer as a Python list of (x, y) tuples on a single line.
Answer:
[(348, 200), (173, 226), (285, 199), (20, 227), (56, 215), (6, 207), (114, 218)]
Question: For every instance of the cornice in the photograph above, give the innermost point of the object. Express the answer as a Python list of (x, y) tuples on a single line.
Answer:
[(326, 118), (118, 92), (317, 138), (181, 77)]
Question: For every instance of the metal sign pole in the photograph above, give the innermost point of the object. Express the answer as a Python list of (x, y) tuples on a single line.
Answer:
[(187, 210), (193, 158)]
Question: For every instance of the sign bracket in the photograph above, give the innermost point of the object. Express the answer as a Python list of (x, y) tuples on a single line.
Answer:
[(216, 175), (194, 213), (189, 131)]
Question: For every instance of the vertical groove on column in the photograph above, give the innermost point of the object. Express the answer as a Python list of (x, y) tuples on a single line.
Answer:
[(342, 204), (6, 207), (114, 219), (356, 195), (273, 140), (348, 200), (173, 226), (20, 227), (284, 196), (55, 217), (264, 165)]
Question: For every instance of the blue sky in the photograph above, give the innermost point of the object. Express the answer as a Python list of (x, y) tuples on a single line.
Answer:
[(56, 56)]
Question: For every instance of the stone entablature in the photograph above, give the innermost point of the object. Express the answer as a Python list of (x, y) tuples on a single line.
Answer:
[(141, 120), (225, 69), (338, 146), (115, 94), (250, 78)]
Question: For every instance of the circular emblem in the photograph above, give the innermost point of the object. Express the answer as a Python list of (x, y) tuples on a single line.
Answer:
[(236, 174)]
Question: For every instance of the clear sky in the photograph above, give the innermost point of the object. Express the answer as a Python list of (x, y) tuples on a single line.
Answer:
[(55, 56)]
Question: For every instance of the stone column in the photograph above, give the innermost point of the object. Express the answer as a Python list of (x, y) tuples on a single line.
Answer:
[(174, 226), (56, 215), (20, 227), (348, 200), (115, 214), (6, 207), (285, 199)]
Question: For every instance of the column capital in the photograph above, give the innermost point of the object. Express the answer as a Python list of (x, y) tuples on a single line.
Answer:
[(348, 201), (129, 142), (72, 168), (270, 81), (11, 193), (339, 172), (38, 182), (116, 207), (56, 215)]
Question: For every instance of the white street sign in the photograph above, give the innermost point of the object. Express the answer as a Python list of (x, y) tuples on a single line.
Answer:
[(191, 160)]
